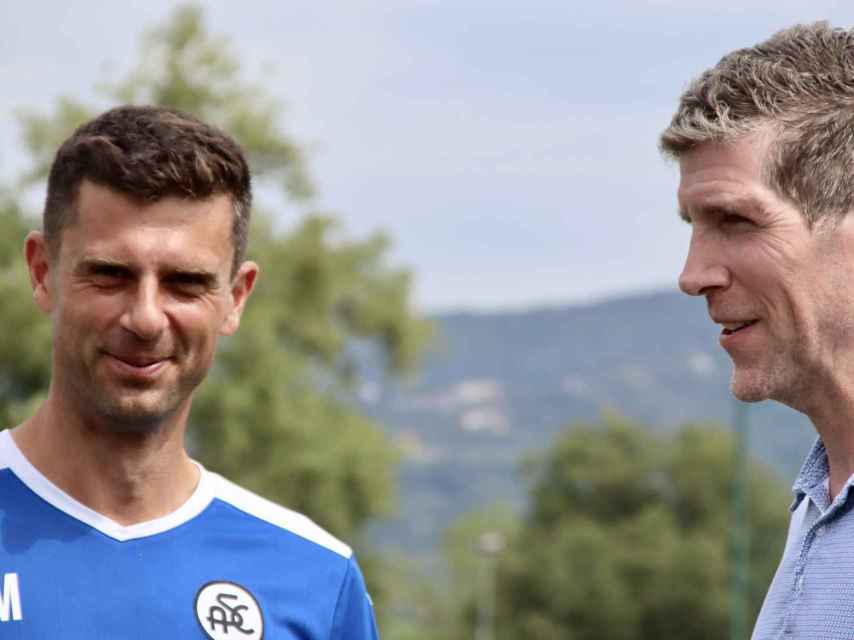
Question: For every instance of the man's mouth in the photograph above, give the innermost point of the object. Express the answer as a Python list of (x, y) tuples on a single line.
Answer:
[(730, 328), (138, 361)]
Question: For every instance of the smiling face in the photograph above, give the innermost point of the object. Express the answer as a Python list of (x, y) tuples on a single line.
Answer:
[(776, 287), (138, 295)]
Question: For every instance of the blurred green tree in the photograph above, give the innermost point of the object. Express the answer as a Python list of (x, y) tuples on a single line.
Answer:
[(470, 561), (275, 414), (627, 537)]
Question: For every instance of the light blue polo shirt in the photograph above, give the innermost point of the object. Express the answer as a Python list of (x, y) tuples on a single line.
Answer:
[(812, 594)]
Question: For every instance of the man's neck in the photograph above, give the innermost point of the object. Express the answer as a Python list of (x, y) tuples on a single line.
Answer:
[(126, 477), (833, 419)]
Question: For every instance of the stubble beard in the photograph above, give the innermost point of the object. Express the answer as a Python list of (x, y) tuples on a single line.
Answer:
[(137, 414), (122, 407), (773, 376), (751, 386)]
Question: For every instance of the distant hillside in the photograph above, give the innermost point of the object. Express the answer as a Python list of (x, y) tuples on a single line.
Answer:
[(501, 385)]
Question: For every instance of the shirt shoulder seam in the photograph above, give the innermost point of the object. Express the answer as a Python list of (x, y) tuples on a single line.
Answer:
[(276, 515)]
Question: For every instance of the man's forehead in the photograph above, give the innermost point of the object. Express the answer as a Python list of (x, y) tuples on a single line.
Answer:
[(111, 227), (100, 200), (749, 150), (723, 174)]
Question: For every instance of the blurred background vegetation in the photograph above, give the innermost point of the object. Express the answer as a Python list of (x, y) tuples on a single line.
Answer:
[(625, 530)]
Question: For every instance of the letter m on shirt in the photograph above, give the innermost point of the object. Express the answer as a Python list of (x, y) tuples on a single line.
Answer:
[(10, 598)]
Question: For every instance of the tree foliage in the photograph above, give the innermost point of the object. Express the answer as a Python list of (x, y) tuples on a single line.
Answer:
[(274, 414), (628, 537), (25, 339)]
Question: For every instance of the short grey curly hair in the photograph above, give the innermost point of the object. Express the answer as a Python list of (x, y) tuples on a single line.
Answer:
[(800, 83)]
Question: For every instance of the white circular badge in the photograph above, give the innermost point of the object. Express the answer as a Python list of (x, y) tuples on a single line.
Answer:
[(227, 611)]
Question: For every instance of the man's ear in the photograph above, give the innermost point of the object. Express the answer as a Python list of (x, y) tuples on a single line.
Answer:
[(241, 287), (37, 256)]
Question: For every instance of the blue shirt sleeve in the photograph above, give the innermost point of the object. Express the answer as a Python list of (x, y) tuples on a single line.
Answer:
[(354, 614)]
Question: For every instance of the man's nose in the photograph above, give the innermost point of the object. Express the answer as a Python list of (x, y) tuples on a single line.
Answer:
[(704, 268), (144, 315)]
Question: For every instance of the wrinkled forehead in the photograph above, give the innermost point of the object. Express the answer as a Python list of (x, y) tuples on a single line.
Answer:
[(748, 151), (719, 172)]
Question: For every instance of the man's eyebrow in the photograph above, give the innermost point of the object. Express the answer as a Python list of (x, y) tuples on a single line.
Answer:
[(96, 265), (729, 206), (197, 276)]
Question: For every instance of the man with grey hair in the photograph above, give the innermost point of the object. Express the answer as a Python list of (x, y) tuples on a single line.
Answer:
[(765, 144)]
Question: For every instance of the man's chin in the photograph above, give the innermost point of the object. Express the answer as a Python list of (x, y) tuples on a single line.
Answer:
[(748, 395), (137, 416), (749, 387)]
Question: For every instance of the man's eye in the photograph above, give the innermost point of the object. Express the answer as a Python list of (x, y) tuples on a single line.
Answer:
[(735, 219), (109, 274), (188, 283)]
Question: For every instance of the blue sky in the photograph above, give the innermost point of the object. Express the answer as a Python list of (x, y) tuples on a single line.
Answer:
[(508, 149)]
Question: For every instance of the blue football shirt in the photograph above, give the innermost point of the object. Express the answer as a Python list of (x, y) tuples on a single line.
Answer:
[(226, 565)]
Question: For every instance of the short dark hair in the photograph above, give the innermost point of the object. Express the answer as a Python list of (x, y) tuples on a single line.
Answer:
[(147, 153), (800, 84)]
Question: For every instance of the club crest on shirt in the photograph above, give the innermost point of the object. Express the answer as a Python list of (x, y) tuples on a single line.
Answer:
[(225, 610)]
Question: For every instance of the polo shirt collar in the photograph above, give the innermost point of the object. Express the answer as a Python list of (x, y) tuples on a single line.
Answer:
[(814, 479), (811, 480)]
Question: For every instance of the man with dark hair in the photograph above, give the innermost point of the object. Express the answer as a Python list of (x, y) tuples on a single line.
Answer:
[(109, 529), (765, 144)]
